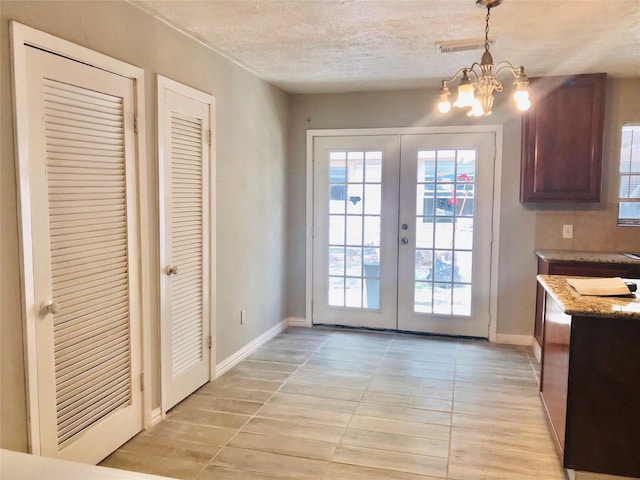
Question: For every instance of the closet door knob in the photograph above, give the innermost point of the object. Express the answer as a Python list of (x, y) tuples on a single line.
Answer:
[(172, 270), (49, 306)]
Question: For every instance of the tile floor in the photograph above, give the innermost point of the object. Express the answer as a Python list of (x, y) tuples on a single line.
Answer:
[(352, 405)]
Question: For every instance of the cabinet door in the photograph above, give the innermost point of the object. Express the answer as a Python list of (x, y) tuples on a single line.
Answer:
[(562, 139), (589, 269), (555, 370)]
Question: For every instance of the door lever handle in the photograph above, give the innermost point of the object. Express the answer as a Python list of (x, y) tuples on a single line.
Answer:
[(172, 270)]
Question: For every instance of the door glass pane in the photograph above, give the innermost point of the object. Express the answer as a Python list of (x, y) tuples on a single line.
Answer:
[(336, 261), (354, 292), (354, 230), (336, 291), (424, 297), (372, 231), (354, 262), (373, 192), (355, 197), (336, 229), (444, 231), (337, 181), (355, 162), (373, 167)]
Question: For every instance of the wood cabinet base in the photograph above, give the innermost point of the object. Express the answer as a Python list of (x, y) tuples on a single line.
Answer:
[(590, 387)]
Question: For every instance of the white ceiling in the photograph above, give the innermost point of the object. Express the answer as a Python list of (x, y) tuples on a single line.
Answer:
[(313, 46)]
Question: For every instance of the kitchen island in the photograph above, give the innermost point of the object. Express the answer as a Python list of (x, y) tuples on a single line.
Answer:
[(590, 378), (591, 264)]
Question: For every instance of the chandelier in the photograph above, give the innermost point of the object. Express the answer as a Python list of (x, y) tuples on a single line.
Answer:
[(478, 82)]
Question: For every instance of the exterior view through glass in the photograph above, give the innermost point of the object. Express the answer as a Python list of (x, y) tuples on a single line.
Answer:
[(445, 206), (355, 198), (444, 224)]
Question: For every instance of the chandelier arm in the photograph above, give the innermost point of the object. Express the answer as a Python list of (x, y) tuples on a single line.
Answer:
[(472, 69), (457, 74), (505, 65)]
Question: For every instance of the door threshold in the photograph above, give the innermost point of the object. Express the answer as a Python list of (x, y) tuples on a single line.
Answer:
[(330, 326)]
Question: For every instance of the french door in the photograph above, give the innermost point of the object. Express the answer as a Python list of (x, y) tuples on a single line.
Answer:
[(402, 228)]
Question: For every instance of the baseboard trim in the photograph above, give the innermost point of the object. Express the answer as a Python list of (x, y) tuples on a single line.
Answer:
[(156, 416), (296, 322), (232, 360), (537, 350), (508, 339)]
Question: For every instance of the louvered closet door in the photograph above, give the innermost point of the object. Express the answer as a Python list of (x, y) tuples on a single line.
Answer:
[(84, 231), (184, 117)]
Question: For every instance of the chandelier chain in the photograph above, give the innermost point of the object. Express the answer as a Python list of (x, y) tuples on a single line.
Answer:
[(486, 30)]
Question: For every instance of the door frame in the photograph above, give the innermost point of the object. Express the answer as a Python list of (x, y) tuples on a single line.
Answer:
[(497, 130), (23, 37)]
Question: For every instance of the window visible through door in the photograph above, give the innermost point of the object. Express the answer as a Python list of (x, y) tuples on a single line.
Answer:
[(629, 192)]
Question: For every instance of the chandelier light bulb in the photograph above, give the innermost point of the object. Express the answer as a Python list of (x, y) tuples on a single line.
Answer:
[(521, 96), (523, 105), (466, 97), (444, 106)]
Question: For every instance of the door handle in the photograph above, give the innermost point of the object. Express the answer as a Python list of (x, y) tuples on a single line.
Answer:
[(172, 270), (49, 306), (404, 240)]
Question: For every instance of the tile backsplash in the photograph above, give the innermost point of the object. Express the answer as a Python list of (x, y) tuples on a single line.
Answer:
[(593, 230)]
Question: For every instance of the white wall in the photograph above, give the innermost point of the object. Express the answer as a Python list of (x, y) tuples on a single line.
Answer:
[(251, 120)]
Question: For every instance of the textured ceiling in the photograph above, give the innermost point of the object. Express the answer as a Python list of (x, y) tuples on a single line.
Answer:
[(312, 46)]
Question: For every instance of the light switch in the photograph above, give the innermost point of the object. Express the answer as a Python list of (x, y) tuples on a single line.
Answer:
[(567, 231)]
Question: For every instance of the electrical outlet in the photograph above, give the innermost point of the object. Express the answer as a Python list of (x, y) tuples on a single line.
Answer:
[(567, 231), (243, 316)]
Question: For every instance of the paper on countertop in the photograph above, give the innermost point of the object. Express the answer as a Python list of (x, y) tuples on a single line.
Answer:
[(599, 286)]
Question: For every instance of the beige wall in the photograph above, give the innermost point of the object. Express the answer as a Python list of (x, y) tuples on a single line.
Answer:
[(251, 118), (522, 227)]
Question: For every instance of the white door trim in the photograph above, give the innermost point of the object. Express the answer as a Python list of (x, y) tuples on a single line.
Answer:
[(495, 129), (23, 37)]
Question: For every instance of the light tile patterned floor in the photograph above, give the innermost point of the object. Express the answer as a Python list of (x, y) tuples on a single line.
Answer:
[(352, 405)]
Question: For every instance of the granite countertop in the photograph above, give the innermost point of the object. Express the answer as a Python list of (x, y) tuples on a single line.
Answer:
[(572, 303), (595, 257)]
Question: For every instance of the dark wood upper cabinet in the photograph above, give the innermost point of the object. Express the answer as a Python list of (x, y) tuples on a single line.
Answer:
[(562, 139)]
